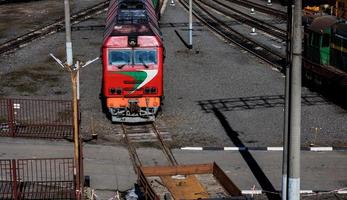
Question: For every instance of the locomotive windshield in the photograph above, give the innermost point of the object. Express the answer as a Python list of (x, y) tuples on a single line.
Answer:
[(122, 57), (145, 57)]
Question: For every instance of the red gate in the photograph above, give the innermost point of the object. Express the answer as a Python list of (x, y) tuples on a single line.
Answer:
[(36, 118), (37, 179)]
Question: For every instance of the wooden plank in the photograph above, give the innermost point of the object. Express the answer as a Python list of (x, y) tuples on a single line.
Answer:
[(224, 180), (176, 170), (187, 188)]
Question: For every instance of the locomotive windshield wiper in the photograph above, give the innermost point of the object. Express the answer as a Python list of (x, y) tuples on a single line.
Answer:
[(120, 66), (144, 64)]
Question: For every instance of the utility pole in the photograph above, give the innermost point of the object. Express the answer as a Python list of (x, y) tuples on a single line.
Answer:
[(286, 102), (76, 134), (295, 107), (190, 28), (75, 94), (74, 70)]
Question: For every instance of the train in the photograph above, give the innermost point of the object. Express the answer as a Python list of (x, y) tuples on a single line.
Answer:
[(325, 52), (132, 59)]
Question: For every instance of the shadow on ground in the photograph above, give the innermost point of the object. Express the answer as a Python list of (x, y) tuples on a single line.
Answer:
[(257, 102), (247, 156)]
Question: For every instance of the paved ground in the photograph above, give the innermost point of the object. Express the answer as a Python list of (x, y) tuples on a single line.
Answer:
[(110, 166), (246, 93)]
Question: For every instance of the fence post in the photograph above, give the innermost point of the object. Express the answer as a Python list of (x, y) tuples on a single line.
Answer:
[(14, 180), (11, 119)]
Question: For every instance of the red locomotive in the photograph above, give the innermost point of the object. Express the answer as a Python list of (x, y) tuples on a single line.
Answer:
[(133, 59)]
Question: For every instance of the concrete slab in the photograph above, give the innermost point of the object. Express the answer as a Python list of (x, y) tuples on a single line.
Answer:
[(110, 167)]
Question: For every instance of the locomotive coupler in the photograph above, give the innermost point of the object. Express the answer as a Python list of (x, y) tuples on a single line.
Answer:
[(133, 106), (147, 102)]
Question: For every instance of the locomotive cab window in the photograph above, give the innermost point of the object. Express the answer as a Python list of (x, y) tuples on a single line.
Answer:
[(145, 57), (122, 57), (119, 57)]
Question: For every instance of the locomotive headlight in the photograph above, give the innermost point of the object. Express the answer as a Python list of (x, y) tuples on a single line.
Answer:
[(147, 90), (132, 41), (153, 90), (112, 90), (119, 91)]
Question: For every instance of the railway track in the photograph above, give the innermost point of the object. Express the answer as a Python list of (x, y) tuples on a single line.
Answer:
[(54, 27), (244, 18), (146, 133), (261, 8), (229, 34)]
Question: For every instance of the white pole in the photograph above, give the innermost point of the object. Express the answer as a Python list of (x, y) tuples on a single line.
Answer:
[(69, 57), (295, 107), (190, 24)]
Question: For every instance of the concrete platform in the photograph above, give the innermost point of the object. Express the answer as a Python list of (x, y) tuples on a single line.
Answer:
[(110, 167)]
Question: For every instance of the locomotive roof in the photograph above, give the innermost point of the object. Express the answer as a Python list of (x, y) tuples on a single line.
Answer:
[(131, 17), (321, 23), (132, 30)]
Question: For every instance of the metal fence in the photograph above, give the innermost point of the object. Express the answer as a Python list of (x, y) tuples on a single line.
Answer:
[(37, 179), (36, 118)]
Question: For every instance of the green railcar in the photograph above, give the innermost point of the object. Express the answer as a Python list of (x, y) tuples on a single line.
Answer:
[(155, 3), (325, 52), (317, 44), (339, 46)]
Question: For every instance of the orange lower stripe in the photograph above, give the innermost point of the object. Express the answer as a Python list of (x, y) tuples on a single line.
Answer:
[(124, 102)]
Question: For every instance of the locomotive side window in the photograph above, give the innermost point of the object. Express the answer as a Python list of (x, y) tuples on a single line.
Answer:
[(119, 57), (145, 57)]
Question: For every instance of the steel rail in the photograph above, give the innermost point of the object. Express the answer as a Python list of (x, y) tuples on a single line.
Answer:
[(167, 151), (249, 20), (235, 37), (54, 27), (132, 150), (261, 8), (243, 37), (133, 154)]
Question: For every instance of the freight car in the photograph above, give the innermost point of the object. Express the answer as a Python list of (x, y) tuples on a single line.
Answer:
[(132, 52), (325, 52)]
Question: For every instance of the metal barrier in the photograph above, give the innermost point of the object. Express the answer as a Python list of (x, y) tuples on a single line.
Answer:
[(37, 179), (36, 118)]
